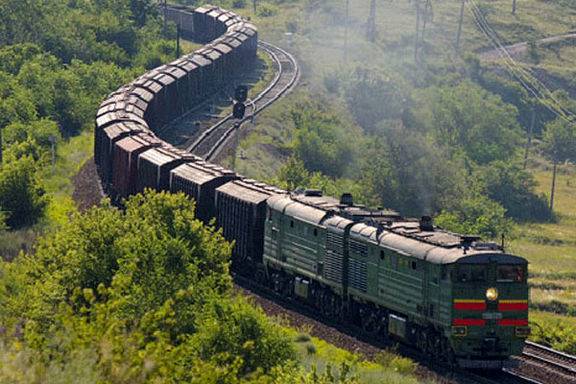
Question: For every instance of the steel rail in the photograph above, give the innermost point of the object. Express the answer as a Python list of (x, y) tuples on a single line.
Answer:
[(286, 76)]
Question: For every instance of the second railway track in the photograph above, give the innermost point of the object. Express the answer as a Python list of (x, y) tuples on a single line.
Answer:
[(545, 365), (211, 141)]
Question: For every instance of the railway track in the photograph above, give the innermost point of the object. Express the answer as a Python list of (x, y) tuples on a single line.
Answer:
[(545, 365), (210, 143)]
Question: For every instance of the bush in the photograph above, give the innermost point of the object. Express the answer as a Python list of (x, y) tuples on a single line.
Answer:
[(508, 184), (266, 10), (22, 199), (141, 295), (476, 216)]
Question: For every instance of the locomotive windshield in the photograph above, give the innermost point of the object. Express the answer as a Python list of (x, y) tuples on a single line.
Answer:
[(510, 274), (470, 273)]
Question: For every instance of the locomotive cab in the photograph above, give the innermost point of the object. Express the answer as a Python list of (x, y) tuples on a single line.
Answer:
[(489, 309)]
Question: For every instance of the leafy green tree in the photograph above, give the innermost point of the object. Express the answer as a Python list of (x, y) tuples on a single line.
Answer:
[(514, 188), (40, 131), (141, 295), (373, 95), (468, 118), (559, 144), (293, 174), (406, 172), (13, 57), (477, 215), (22, 198), (322, 140)]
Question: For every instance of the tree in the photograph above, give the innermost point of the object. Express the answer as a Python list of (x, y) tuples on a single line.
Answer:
[(322, 140), (476, 215), (468, 118), (145, 293), (408, 173), (559, 144), (21, 197), (373, 95), (514, 188)]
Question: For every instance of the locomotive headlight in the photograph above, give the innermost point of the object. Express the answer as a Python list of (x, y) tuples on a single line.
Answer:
[(492, 294)]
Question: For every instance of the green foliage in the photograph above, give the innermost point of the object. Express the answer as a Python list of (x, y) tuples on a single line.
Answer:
[(405, 172), (514, 188), (266, 10), (141, 295), (293, 175), (229, 330), (373, 95), (22, 198), (554, 332), (559, 141), (468, 118), (40, 131), (476, 215), (322, 140)]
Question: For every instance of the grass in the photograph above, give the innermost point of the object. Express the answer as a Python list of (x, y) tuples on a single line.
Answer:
[(388, 367), (70, 157), (58, 184), (551, 250)]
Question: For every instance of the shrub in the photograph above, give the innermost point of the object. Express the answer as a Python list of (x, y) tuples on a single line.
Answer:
[(267, 10), (22, 198)]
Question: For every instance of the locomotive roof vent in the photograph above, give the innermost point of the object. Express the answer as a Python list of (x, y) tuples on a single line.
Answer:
[(426, 224), (347, 199), (313, 192)]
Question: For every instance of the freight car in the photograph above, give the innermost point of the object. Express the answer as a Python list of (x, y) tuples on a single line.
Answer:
[(163, 94), (455, 297)]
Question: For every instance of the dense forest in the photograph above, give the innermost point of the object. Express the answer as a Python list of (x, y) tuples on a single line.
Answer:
[(57, 61)]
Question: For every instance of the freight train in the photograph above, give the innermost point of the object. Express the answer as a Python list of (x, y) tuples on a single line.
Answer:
[(454, 297)]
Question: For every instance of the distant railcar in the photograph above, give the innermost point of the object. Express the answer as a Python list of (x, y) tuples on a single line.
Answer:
[(125, 163), (199, 180)]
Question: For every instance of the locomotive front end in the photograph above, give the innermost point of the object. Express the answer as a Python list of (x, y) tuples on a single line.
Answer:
[(489, 309)]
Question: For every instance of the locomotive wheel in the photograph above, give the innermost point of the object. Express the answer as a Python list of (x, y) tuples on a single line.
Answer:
[(370, 323)]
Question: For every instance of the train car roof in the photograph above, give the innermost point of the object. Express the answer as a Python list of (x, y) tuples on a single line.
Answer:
[(164, 155), (135, 142), (448, 248), (200, 174), (415, 238), (249, 190)]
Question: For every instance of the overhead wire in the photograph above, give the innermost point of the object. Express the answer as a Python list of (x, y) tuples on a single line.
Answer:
[(533, 85)]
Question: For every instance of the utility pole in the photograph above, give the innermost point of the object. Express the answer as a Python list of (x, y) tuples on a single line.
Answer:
[(1, 154), (460, 25), (177, 40), (513, 7), (554, 170), (417, 2), (371, 23), (254, 5), (165, 22), (427, 6), (346, 31), (529, 141)]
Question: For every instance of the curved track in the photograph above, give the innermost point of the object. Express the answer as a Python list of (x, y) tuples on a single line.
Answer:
[(213, 140)]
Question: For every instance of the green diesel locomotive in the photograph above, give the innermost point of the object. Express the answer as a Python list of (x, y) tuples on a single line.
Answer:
[(454, 297)]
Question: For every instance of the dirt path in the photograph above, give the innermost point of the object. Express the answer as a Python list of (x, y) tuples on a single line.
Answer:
[(516, 50), (87, 189)]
